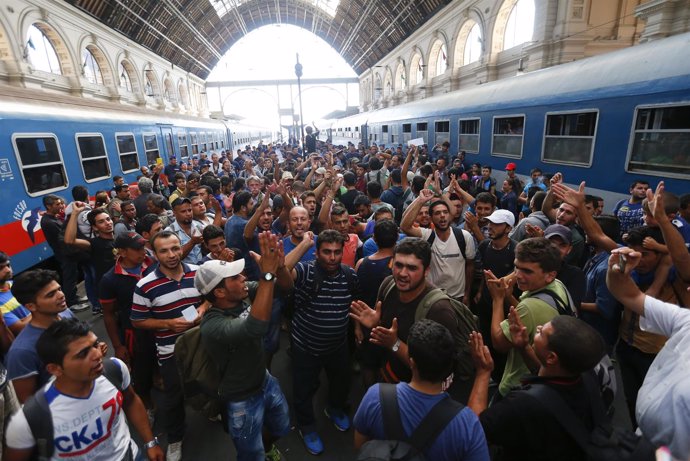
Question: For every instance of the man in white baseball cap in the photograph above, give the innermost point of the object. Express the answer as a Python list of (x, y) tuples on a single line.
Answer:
[(232, 332), (502, 217)]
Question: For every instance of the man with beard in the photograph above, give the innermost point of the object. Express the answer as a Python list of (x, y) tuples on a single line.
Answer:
[(629, 211), (498, 256), (298, 224), (134, 347), (566, 215), (158, 302), (453, 250), (187, 230), (398, 300), (324, 289)]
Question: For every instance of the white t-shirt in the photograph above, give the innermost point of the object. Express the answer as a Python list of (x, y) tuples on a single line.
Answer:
[(85, 429), (447, 269)]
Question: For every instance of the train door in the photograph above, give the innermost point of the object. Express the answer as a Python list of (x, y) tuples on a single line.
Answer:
[(168, 143), (364, 135)]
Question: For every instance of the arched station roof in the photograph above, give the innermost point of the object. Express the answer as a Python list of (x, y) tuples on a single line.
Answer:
[(195, 34)]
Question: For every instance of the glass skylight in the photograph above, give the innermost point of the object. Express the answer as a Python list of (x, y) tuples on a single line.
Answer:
[(224, 7)]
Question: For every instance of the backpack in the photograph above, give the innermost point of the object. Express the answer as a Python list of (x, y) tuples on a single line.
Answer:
[(459, 237), (605, 442), (466, 322), (398, 446), (552, 299), (38, 416), (399, 204), (199, 375)]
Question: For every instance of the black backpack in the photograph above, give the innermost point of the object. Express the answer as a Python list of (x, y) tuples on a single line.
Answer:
[(38, 416), (399, 204), (398, 446), (605, 442)]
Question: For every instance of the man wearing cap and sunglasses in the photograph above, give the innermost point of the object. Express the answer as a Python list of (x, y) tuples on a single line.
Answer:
[(232, 332)]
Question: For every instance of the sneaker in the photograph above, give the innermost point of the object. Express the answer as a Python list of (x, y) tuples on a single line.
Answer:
[(312, 442), (338, 418), (273, 454), (78, 307), (174, 452), (82, 300), (97, 311)]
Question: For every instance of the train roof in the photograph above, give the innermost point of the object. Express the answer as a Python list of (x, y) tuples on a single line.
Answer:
[(42, 105), (627, 71)]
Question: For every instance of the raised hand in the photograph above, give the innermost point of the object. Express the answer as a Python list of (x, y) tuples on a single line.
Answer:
[(518, 331), (569, 195), (272, 255), (497, 287), (481, 356), (426, 194), (365, 315), (385, 337)]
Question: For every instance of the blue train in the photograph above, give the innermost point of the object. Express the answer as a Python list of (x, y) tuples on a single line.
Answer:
[(50, 143), (606, 120)]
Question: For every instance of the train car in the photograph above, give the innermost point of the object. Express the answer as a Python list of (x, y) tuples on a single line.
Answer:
[(606, 120), (50, 143)]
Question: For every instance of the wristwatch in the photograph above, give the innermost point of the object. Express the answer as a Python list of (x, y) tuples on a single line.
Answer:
[(396, 346), (152, 443), (268, 276)]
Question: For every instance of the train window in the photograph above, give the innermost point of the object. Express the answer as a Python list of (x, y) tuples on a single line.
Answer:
[(442, 131), (661, 141), (468, 135), (569, 137), (384, 134), (507, 136), (182, 142), (151, 148), (395, 134), (40, 162), (407, 132), (127, 149), (422, 130), (94, 158), (195, 143)]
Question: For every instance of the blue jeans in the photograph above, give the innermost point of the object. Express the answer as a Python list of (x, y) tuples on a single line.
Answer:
[(91, 285), (247, 418)]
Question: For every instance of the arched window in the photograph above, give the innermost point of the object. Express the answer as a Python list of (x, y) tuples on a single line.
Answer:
[(419, 71), (125, 82), (442, 60), (91, 69), (520, 25), (473, 45), (400, 80), (148, 88), (41, 52)]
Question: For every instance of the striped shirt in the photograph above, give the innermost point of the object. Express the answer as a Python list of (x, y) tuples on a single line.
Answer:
[(158, 297), (320, 322)]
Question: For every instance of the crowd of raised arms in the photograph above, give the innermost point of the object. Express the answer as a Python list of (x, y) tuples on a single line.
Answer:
[(485, 320)]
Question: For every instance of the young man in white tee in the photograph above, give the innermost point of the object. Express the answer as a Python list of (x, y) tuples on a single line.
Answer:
[(89, 412)]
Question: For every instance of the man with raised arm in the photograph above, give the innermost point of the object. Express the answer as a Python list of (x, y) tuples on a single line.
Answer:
[(452, 261)]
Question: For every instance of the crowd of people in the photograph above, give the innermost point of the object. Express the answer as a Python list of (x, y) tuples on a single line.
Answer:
[(409, 268)]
